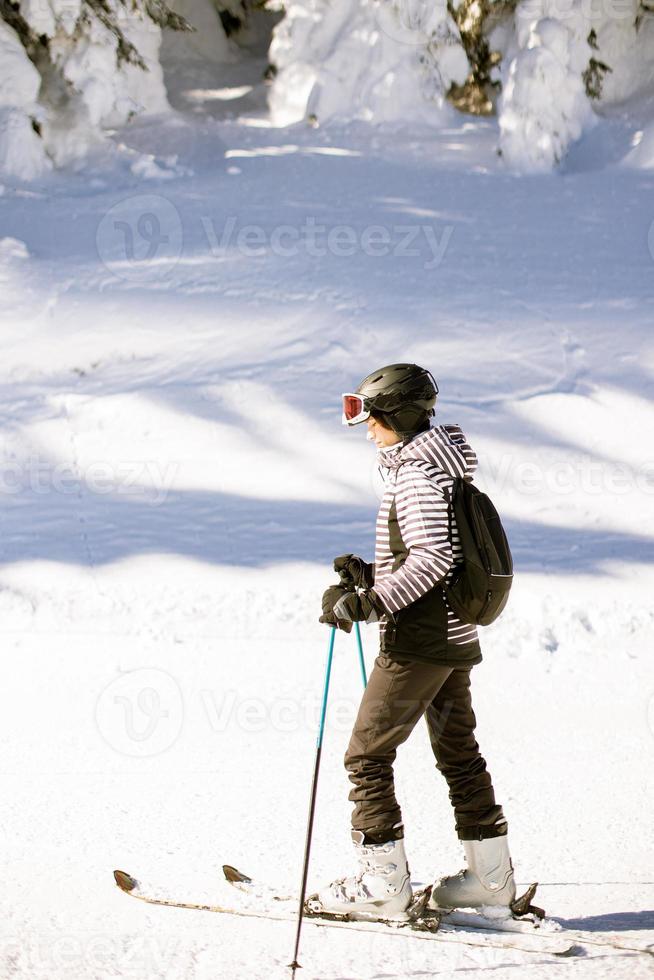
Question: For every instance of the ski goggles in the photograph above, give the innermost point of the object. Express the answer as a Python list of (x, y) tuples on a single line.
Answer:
[(354, 409)]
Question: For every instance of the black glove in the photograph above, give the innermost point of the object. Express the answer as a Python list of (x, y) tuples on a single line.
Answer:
[(356, 607), (354, 572), (329, 599)]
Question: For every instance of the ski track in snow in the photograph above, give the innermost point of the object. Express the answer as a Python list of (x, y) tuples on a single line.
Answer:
[(176, 482)]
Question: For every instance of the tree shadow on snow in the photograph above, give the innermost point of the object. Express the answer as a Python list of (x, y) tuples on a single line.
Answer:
[(90, 528), (611, 921)]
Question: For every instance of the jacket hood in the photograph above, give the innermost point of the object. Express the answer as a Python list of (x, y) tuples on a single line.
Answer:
[(444, 446)]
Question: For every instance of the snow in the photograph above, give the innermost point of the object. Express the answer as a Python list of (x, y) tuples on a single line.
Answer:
[(21, 151), (642, 154), (83, 95), (104, 94), (19, 81), (386, 63), (363, 60), (48, 16), (176, 481), (206, 43), (395, 62), (544, 106), (629, 53)]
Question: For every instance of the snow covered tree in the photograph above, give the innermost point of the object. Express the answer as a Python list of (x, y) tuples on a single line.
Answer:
[(562, 67), (547, 69), (370, 59), (68, 67), (544, 104)]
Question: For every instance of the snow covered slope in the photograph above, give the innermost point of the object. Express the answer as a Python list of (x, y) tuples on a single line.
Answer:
[(174, 342)]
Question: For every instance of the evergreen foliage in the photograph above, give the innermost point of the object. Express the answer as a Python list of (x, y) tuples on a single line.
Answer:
[(37, 48), (594, 74), (475, 19)]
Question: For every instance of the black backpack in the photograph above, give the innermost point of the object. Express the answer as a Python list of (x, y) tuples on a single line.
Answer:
[(479, 588)]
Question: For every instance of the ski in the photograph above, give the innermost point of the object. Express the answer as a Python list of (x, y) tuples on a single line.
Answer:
[(527, 920), (428, 930)]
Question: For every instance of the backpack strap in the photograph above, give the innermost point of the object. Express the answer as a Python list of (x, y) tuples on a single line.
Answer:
[(450, 501)]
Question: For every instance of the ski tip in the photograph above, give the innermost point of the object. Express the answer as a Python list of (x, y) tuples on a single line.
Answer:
[(233, 874), (125, 881), (572, 950)]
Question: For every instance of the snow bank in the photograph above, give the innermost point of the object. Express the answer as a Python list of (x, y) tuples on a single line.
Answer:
[(84, 50), (104, 95), (110, 96), (207, 43), (82, 91), (544, 106), (396, 61), (628, 52), (642, 154), (85, 89), (21, 151), (362, 59), (13, 255), (19, 80)]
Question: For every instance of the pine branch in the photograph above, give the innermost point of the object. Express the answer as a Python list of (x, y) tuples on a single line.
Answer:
[(161, 14), (35, 46), (645, 8), (593, 77), (125, 52)]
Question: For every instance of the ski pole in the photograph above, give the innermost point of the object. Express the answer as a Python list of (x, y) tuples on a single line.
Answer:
[(312, 804), (362, 662)]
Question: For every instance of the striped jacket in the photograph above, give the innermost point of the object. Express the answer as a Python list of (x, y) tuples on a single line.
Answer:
[(413, 553)]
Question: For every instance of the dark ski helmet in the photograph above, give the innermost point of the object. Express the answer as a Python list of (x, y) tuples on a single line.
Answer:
[(401, 395)]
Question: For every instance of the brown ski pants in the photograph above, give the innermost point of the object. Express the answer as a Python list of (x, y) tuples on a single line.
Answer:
[(398, 694)]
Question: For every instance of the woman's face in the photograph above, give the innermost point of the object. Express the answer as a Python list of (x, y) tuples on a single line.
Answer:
[(380, 434)]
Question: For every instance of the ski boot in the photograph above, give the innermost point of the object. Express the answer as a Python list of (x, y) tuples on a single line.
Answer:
[(380, 890), (488, 879)]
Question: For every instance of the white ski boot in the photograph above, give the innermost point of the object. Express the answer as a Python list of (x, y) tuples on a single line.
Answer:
[(488, 879), (380, 890)]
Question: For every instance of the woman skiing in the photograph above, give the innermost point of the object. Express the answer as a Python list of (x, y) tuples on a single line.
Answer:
[(425, 659)]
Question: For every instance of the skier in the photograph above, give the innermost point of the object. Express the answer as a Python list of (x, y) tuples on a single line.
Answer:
[(425, 659)]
